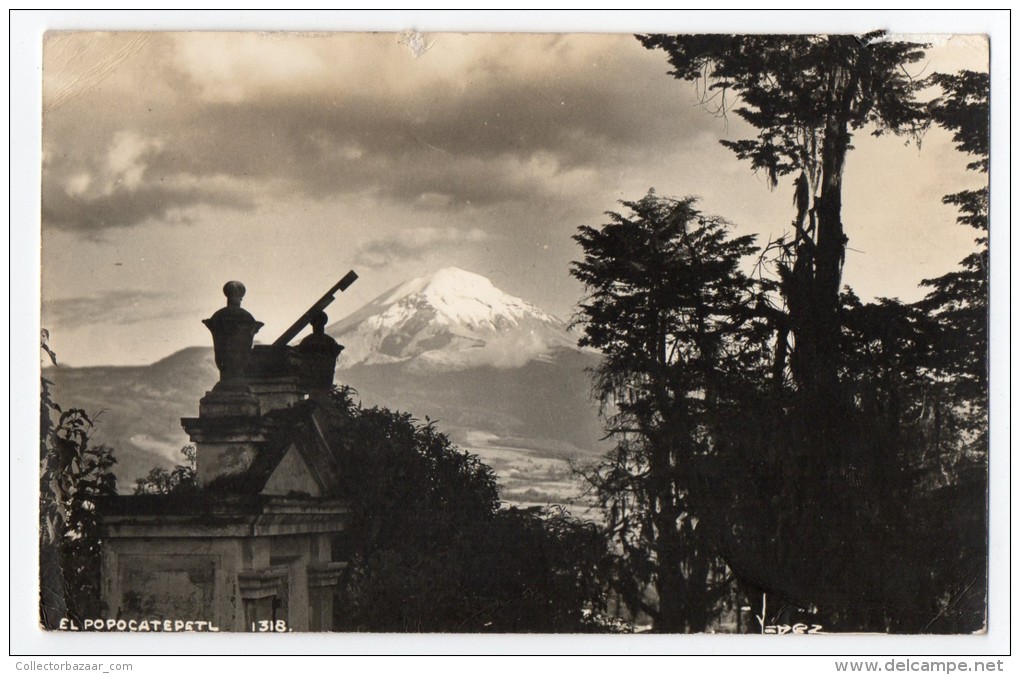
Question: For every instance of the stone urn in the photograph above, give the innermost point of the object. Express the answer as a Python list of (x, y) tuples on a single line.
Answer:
[(233, 330), (319, 353)]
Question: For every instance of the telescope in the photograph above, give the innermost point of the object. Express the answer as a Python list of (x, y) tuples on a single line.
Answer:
[(320, 305)]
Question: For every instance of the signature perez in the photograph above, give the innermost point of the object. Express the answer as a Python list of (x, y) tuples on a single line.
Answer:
[(784, 628)]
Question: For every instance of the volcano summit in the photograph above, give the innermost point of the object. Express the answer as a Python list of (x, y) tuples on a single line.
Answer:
[(449, 320)]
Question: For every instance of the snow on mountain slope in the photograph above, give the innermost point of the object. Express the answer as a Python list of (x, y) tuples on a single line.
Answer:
[(449, 320)]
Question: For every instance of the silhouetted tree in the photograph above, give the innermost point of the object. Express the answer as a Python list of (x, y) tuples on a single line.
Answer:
[(958, 301), (905, 502), (668, 306), (834, 455), (807, 95), (955, 413)]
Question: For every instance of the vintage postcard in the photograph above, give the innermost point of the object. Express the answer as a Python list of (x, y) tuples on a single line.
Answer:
[(437, 332)]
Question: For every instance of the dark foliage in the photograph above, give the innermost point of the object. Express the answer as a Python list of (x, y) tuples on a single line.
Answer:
[(73, 475), (956, 378), (959, 300), (854, 486), (673, 314), (179, 480), (963, 109), (430, 549), (806, 94)]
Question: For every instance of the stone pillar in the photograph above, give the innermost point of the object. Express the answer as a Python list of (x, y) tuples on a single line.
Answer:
[(322, 580), (260, 590)]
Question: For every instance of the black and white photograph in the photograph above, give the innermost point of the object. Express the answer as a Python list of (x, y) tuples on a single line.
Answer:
[(425, 332)]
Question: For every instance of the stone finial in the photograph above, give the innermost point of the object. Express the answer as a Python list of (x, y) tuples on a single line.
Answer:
[(233, 330), (319, 353), (319, 321), (234, 290)]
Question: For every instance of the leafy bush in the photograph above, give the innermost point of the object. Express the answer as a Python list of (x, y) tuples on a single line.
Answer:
[(178, 480)]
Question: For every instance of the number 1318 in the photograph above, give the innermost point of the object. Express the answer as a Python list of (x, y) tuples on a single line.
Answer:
[(264, 626)]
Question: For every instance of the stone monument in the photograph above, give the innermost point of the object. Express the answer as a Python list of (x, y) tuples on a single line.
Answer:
[(251, 548)]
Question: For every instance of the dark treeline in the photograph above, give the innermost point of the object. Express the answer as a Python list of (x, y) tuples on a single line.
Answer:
[(780, 442)]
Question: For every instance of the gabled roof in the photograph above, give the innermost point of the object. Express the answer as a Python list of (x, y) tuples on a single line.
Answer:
[(299, 428)]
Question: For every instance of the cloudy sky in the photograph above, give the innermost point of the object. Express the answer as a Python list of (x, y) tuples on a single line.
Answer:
[(173, 162)]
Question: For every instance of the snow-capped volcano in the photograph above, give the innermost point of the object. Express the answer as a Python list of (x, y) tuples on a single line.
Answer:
[(449, 320)]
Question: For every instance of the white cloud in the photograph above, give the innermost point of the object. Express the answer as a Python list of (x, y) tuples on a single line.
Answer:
[(125, 160), (236, 67), (78, 184), (414, 243)]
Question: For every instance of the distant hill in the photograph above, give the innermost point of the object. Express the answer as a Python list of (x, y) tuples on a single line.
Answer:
[(541, 405), (138, 409), (493, 370)]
